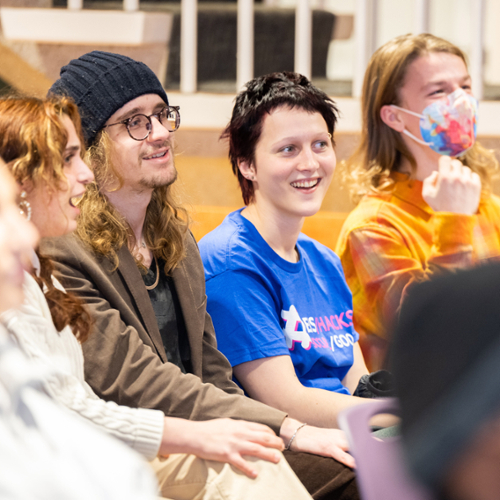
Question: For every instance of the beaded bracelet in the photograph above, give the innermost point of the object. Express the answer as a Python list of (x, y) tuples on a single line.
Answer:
[(287, 447)]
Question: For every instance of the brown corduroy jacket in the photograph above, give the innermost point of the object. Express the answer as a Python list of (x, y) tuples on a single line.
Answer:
[(124, 357)]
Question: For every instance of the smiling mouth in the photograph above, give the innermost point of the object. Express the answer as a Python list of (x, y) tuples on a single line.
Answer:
[(157, 155), (305, 184), (74, 201)]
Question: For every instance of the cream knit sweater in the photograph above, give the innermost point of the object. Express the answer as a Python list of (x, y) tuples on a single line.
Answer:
[(32, 327)]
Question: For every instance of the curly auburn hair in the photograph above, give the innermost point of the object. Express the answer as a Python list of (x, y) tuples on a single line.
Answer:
[(105, 230), (262, 95), (381, 149), (32, 142)]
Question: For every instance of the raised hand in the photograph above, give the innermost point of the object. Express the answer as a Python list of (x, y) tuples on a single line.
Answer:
[(452, 188)]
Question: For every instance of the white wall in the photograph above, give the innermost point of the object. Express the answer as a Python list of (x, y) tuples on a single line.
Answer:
[(448, 19), (492, 43)]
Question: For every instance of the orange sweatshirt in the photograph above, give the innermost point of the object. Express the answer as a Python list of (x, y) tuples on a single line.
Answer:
[(392, 240)]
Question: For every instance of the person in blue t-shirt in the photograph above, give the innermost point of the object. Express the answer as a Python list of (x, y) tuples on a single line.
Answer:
[(279, 300)]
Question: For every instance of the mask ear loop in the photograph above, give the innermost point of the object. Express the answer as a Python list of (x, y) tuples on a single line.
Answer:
[(416, 139), (407, 132), (418, 115)]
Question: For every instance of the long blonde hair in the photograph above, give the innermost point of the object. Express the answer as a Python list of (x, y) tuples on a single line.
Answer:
[(381, 148), (105, 230)]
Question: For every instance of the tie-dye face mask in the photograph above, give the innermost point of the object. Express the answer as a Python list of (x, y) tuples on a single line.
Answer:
[(448, 126)]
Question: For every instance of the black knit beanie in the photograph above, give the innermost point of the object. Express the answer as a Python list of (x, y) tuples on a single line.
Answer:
[(446, 366), (101, 83)]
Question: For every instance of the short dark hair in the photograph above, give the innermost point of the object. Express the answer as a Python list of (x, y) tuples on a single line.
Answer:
[(262, 95)]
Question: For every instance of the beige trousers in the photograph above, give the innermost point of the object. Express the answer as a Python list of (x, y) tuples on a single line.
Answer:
[(186, 477)]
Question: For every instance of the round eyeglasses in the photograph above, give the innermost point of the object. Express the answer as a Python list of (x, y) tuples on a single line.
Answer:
[(139, 126)]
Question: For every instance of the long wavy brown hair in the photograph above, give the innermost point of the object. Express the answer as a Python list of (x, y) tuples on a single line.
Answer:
[(32, 142), (381, 148), (105, 230)]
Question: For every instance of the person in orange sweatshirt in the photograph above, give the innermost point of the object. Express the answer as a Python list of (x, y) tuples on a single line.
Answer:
[(422, 180)]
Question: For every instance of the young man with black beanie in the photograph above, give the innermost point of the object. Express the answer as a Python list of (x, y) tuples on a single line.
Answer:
[(446, 365), (137, 266)]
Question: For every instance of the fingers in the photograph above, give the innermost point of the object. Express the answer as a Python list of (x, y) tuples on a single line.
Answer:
[(459, 171), (256, 433), (236, 438), (453, 169), (465, 173), (339, 452), (257, 427), (452, 188), (258, 451), (269, 440), (236, 459), (342, 443), (476, 180), (433, 178), (242, 465), (430, 184), (344, 458), (444, 164)]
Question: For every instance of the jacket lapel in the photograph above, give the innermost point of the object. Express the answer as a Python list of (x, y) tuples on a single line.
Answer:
[(131, 275), (193, 316)]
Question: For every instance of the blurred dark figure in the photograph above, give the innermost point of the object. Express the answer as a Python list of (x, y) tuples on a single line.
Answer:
[(446, 364)]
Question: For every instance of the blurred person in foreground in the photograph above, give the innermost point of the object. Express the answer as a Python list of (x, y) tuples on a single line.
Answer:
[(445, 360), (41, 140), (421, 179), (46, 452), (134, 262)]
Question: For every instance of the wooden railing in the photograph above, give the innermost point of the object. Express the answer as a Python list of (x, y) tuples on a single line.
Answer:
[(366, 38), (365, 33)]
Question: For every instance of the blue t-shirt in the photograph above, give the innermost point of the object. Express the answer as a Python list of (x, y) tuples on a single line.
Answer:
[(264, 306)]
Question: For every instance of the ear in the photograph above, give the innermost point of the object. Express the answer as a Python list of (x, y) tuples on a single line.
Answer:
[(392, 118), (247, 169), (27, 186)]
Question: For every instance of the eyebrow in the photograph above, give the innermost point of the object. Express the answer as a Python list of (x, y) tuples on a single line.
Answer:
[(72, 149), (444, 82), (139, 111), (290, 140), (299, 136), (126, 115)]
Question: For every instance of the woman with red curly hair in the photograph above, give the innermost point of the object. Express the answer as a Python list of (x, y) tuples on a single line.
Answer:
[(40, 142)]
